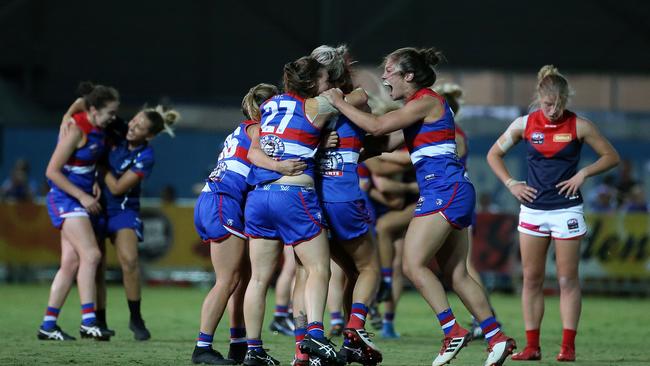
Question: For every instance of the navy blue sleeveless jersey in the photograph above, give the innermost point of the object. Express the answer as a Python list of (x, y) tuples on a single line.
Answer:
[(553, 153)]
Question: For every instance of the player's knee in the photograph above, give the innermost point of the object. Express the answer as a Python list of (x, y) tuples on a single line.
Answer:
[(90, 257), (533, 280), (70, 265), (129, 264), (409, 271), (568, 283)]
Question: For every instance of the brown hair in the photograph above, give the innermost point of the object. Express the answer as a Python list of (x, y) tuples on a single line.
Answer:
[(420, 62), (301, 77), (97, 96), (250, 104)]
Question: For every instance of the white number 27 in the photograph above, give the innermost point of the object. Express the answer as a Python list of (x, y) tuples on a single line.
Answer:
[(272, 107)]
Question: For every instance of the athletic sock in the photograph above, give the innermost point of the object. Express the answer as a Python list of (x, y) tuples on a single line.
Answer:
[(299, 334), (100, 315), (134, 308), (387, 275), (49, 320), (569, 338), (237, 335), (532, 338), (315, 329), (491, 329), (88, 314), (357, 316), (336, 318), (447, 320), (388, 318), (204, 340), (281, 311), (254, 344)]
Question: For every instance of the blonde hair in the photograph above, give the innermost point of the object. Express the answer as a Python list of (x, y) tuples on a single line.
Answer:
[(162, 119), (337, 61), (453, 93), (250, 104), (551, 83)]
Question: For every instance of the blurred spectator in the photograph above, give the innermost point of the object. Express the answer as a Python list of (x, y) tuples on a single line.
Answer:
[(486, 205), (168, 194), (18, 186), (635, 200), (603, 197), (625, 181)]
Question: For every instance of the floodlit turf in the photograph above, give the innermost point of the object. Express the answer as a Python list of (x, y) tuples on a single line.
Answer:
[(612, 331)]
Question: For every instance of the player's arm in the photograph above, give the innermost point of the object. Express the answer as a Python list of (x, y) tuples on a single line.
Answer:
[(386, 168), (394, 202), (461, 148), (398, 119), (514, 133), (77, 106), (260, 159), (120, 186), (387, 185), (400, 157), (65, 147), (608, 159)]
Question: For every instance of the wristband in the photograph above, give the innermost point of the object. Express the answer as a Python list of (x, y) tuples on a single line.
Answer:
[(511, 182)]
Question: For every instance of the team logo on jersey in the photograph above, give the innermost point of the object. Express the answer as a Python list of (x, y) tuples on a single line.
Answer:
[(537, 138), (572, 224), (332, 163), (272, 146), (218, 172), (438, 201), (562, 137), (418, 205), (125, 164), (230, 222)]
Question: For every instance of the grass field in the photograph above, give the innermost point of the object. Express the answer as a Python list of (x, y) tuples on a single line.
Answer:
[(612, 331)]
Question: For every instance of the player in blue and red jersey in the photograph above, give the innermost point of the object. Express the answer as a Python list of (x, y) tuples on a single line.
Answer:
[(453, 95), (129, 160), (551, 202), (346, 212), (219, 220), (70, 202), (285, 209), (428, 125)]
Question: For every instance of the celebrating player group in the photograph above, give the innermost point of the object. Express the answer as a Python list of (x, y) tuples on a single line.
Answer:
[(354, 189)]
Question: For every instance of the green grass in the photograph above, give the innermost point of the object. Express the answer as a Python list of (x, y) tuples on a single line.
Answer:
[(612, 331)]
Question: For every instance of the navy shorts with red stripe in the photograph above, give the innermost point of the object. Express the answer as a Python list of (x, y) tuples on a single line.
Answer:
[(455, 202), (291, 214), (217, 216)]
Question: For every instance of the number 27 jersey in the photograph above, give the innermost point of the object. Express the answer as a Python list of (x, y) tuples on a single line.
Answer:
[(285, 133)]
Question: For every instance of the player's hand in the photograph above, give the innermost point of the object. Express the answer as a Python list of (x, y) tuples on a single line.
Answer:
[(413, 188), (291, 167), (91, 204), (331, 140), (334, 96), (523, 192), (97, 191), (570, 187)]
